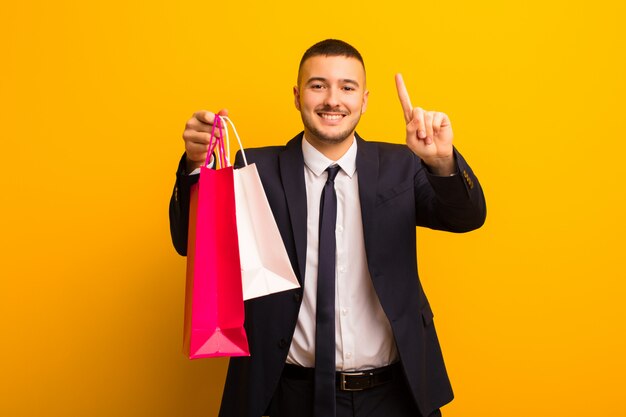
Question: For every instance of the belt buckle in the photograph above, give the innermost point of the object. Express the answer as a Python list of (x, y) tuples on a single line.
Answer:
[(343, 382)]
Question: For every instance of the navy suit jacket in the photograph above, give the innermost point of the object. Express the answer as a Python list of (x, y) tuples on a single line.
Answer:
[(397, 193)]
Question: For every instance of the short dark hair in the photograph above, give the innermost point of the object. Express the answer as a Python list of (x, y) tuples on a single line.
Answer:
[(331, 47)]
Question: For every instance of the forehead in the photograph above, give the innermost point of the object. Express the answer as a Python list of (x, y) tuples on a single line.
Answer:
[(332, 68)]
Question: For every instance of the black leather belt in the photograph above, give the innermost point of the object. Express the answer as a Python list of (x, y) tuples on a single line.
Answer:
[(349, 381)]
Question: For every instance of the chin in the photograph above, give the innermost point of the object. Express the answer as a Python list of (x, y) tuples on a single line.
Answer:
[(333, 137)]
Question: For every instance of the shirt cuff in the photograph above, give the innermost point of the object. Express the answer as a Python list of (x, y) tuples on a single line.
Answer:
[(197, 170)]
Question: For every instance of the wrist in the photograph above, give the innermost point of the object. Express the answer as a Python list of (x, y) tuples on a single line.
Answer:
[(191, 166), (442, 166)]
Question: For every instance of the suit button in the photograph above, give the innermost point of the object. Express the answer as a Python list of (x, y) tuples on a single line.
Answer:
[(282, 343), (297, 297)]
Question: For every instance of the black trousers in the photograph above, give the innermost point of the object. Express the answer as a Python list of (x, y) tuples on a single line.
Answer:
[(294, 398)]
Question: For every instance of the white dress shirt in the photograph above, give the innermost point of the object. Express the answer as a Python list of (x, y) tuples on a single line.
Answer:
[(363, 336)]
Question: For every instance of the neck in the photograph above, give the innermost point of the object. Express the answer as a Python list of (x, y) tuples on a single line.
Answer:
[(332, 151)]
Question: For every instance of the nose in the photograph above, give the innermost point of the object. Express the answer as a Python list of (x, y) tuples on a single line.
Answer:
[(332, 97)]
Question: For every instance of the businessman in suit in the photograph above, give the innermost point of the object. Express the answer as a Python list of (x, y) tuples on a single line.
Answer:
[(358, 338)]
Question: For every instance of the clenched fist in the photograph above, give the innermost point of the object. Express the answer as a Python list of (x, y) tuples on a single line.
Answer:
[(197, 136)]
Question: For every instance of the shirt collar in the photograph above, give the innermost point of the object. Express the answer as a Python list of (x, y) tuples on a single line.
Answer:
[(317, 162)]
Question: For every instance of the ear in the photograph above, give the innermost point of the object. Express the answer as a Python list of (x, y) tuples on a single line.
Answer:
[(364, 104), (296, 97)]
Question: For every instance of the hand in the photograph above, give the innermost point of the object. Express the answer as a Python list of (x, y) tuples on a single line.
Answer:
[(428, 133), (197, 136)]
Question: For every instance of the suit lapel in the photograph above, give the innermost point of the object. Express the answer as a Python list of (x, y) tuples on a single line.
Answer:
[(367, 170), (292, 174)]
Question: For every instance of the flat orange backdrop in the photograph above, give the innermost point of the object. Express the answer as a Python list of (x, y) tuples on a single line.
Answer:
[(94, 96)]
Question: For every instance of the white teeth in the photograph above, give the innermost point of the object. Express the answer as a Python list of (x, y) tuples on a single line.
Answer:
[(331, 116)]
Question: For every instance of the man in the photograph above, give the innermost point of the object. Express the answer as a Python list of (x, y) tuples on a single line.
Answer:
[(358, 338)]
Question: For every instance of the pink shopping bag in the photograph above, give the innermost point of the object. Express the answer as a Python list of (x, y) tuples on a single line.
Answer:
[(214, 311)]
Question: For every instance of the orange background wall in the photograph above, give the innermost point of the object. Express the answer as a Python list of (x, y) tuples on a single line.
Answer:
[(93, 100)]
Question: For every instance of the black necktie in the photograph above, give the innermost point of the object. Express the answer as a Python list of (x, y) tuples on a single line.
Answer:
[(324, 405)]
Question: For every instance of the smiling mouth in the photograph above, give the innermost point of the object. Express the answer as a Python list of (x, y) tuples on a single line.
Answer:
[(331, 116)]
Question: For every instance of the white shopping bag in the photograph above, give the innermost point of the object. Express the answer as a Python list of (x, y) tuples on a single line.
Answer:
[(265, 266)]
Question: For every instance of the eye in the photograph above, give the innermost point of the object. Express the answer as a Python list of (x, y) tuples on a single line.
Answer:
[(348, 88), (316, 86)]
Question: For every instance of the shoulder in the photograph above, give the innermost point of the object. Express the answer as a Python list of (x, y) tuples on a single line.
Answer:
[(385, 149), (388, 150), (389, 156), (268, 158)]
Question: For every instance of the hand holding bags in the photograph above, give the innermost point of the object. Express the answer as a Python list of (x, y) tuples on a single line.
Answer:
[(225, 248)]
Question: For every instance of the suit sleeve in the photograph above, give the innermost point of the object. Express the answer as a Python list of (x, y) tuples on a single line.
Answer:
[(454, 204), (179, 203), (179, 207)]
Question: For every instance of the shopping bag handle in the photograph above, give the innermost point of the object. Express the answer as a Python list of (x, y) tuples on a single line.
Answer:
[(243, 153), (218, 142)]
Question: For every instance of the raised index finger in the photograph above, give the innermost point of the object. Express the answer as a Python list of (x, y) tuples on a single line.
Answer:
[(403, 95)]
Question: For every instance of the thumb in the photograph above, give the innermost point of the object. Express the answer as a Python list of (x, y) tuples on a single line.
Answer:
[(223, 112)]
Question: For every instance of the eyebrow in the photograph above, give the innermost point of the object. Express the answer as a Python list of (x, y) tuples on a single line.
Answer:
[(322, 79)]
